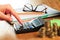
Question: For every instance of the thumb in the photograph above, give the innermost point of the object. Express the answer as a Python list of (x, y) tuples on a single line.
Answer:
[(5, 17), (8, 18)]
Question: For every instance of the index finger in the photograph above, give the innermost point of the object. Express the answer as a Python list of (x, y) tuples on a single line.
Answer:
[(13, 12)]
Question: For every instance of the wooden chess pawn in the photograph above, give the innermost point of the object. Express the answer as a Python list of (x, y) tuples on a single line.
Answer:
[(42, 32), (49, 32)]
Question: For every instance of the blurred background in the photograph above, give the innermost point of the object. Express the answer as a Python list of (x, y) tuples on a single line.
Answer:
[(19, 4)]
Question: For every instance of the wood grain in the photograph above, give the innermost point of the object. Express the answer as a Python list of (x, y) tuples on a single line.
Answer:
[(52, 3)]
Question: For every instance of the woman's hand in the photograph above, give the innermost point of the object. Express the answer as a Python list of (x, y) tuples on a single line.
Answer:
[(6, 11)]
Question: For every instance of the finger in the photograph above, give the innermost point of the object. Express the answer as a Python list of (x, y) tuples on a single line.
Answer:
[(8, 15), (5, 17), (14, 14), (7, 12)]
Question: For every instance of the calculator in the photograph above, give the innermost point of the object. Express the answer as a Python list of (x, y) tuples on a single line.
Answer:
[(30, 26)]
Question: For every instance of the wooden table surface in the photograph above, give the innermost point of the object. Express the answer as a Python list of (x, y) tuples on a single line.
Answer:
[(52, 3), (34, 35)]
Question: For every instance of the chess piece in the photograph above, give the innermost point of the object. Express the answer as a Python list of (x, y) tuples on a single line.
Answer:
[(49, 32), (42, 32)]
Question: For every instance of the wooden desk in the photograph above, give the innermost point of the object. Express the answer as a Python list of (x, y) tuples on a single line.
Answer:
[(52, 3), (34, 35)]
